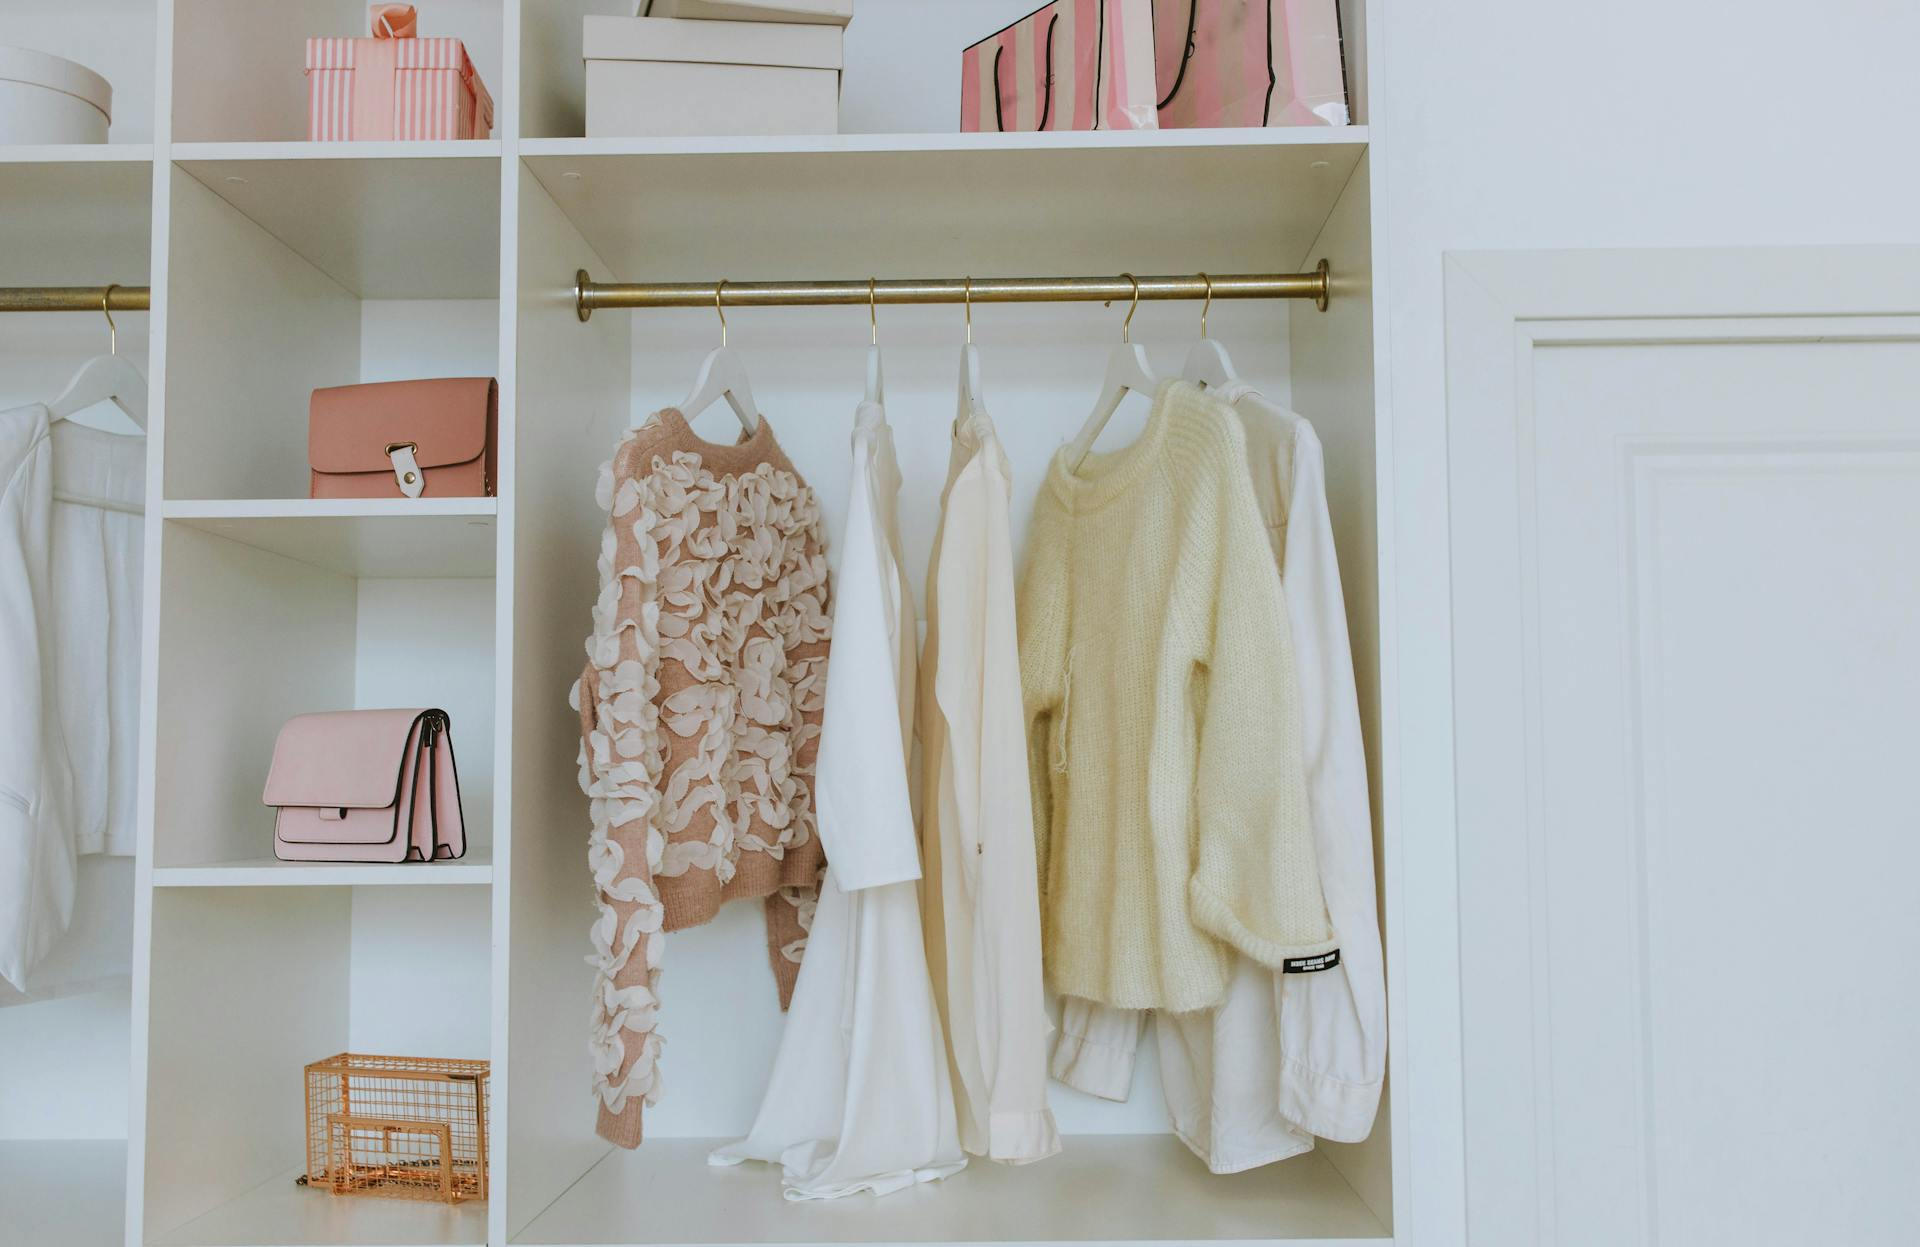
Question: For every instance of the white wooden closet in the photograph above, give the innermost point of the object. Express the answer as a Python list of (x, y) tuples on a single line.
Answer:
[(277, 266)]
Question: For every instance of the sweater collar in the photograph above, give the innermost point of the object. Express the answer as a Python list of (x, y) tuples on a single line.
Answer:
[(1107, 475)]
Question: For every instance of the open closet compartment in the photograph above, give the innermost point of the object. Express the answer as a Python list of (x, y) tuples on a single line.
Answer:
[(293, 274), (239, 65), (1224, 203), (71, 217), (902, 76), (249, 986)]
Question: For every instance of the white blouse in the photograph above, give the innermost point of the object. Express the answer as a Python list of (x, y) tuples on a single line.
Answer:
[(981, 891), (1288, 1056), (860, 1098)]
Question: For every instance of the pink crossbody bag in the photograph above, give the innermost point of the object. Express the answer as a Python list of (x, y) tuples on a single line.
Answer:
[(366, 786)]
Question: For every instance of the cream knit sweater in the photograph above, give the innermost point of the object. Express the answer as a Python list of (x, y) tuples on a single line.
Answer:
[(1163, 721)]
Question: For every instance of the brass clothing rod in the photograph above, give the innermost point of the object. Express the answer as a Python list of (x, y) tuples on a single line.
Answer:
[(591, 296), (74, 298)]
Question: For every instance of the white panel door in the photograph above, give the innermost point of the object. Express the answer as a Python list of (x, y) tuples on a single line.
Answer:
[(1686, 559)]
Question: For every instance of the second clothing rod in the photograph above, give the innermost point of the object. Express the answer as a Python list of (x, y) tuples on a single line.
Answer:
[(591, 296)]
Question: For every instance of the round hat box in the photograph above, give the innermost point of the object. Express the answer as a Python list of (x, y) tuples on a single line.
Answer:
[(49, 99)]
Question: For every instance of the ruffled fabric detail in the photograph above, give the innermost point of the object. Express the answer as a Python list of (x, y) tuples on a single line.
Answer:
[(726, 577)]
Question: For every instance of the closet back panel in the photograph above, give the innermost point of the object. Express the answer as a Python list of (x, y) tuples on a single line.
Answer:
[(239, 65)]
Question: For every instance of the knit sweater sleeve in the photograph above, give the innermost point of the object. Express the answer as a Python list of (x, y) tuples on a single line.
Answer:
[(1040, 619), (1255, 881)]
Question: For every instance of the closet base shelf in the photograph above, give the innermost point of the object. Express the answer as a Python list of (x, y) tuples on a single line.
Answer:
[(1135, 1188), (277, 1213), (266, 872)]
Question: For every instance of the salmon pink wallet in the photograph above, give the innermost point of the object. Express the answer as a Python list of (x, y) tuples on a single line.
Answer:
[(366, 786), (405, 439)]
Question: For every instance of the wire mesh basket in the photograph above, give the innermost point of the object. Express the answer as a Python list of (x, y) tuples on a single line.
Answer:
[(396, 1126)]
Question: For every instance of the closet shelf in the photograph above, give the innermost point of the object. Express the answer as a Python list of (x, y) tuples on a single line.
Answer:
[(440, 149), (1144, 1188), (1032, 140), (1252, 201), (279, 1214), (476, 868), (76, 153), (445, 538)]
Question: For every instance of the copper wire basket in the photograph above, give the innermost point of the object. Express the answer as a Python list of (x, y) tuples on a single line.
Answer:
[(399, 1127)]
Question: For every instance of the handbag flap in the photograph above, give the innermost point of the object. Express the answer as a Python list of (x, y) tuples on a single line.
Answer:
[(349, 427), (347, 759)]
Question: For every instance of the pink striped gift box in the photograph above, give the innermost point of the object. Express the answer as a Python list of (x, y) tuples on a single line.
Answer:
[(1070, 65), (405, 89)]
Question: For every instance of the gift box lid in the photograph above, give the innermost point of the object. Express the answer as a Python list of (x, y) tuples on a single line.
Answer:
[(791, 44), (56, 73), (828, 12)]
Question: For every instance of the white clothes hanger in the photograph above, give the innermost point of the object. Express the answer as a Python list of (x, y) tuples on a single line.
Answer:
[(1127, 372), (876, 381), (1207, 362), (971, 393), (723, 375), (105, 377)]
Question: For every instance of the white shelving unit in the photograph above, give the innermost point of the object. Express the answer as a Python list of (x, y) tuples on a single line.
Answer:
[(280, 265)]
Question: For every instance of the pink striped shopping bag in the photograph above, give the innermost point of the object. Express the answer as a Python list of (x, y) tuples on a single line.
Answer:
[(1070, 65), (1249, 63)]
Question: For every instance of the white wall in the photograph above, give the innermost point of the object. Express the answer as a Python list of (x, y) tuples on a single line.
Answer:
[(1516, 124)]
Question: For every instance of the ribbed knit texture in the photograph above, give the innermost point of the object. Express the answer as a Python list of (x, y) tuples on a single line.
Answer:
[(1163, 721)]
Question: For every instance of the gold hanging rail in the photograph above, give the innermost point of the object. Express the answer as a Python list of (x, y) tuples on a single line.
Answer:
[(75, 298), (590, 296)]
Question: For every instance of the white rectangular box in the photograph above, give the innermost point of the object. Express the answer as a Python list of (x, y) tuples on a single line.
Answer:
[(671, 76), (827, 12)]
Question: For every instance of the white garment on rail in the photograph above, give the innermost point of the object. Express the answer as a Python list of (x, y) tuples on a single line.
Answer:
[(1287, 1056), (860, 1098), (99, 490), (981, 889), (69, 654)]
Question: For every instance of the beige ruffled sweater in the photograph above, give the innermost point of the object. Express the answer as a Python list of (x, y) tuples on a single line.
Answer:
[(1163, 721), (700, 716)]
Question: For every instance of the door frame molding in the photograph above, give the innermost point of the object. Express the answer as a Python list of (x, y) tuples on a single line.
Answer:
[(1502, 307)]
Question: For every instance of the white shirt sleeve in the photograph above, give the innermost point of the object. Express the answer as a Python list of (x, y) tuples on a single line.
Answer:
[(860, 774), (1333, 1035)]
